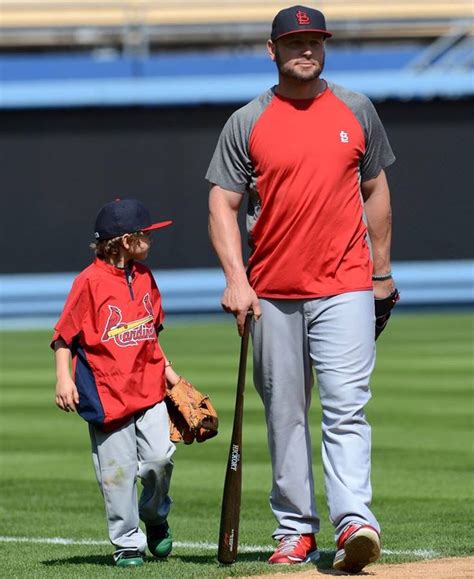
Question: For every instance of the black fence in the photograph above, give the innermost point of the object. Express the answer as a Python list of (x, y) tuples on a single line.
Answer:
[(58, 167)]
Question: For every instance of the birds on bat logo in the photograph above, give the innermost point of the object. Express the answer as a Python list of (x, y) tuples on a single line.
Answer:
[(130, 333)]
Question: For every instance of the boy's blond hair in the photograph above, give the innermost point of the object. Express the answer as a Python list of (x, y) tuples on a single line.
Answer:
[(107, 247)]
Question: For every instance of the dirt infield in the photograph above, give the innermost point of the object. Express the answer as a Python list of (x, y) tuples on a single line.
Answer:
[(459, 567)]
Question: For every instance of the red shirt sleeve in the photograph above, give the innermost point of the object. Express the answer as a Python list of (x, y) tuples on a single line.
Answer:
[(74, 312), (158, 312)]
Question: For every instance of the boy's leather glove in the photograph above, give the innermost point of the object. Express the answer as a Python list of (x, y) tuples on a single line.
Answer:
[(192, 416), (383, 309)]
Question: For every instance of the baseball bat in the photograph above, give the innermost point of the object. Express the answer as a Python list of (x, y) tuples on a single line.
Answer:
[(230, 512)]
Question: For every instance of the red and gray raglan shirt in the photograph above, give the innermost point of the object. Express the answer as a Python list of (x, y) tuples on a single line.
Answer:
[(110, 322), (301, 163)]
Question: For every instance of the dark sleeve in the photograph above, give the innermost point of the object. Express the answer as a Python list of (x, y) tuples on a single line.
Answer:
[(378, 153), (231, 166)]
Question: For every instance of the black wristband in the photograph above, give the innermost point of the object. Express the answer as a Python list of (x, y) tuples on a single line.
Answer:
[(382, 277)]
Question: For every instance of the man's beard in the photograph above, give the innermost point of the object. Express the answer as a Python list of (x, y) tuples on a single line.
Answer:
[(304, 76)]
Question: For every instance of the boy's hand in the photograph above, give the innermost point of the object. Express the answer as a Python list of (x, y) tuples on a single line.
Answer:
[(171, 377), (66, 395)]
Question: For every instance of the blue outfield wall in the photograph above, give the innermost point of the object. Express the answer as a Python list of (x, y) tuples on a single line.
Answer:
[(106, 80), (36, 300), (110, 64), (196, 90)]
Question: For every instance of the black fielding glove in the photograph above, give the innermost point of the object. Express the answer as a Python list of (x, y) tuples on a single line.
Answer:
[(383, 309)]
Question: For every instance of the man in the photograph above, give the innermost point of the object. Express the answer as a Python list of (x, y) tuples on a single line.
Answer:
[(311, 156)]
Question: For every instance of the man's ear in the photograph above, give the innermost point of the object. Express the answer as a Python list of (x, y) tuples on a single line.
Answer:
[(271, 48)]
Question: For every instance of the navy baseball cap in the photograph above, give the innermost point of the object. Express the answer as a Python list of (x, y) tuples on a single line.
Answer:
[(124, 216), (298, 19)]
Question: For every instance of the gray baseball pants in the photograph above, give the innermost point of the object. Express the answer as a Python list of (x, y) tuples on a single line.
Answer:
[(141, 448), (335, 336)]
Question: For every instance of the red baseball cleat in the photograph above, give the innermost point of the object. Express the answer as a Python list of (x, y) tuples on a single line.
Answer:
[(358, 546), (294, 549)]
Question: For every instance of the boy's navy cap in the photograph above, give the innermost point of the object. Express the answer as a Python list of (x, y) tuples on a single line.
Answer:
[(124, 216), (298, 19)]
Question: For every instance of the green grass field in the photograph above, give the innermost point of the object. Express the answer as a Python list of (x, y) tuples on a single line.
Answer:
[(422, 419)]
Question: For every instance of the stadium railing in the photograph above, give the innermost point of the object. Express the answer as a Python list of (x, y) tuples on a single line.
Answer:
[(25, 13), (21, 19)]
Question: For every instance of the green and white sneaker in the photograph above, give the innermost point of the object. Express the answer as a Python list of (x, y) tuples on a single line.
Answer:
[(128, 558), (159, 539)]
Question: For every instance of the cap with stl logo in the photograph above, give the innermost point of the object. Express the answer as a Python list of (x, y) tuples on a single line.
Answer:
[(298, 19), (124, 216)]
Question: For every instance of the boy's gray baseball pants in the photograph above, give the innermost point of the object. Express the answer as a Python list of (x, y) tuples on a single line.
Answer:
[(335, 336), (141, 448)]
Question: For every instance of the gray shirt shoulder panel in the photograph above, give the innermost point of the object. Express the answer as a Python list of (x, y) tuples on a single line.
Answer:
[(231, 167), (378, 153)]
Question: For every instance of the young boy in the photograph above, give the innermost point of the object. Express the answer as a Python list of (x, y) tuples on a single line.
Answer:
[(109, 327)]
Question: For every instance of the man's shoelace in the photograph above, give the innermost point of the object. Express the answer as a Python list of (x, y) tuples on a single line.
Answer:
[(288, 543)]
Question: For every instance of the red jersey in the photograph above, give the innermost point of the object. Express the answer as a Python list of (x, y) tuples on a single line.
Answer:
[(110, 322), (301, 163)]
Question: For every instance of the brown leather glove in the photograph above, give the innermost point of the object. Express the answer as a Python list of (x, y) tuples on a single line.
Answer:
[(192, 416)]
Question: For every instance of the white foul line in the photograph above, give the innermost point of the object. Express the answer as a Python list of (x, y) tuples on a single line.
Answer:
[(421, 553)]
